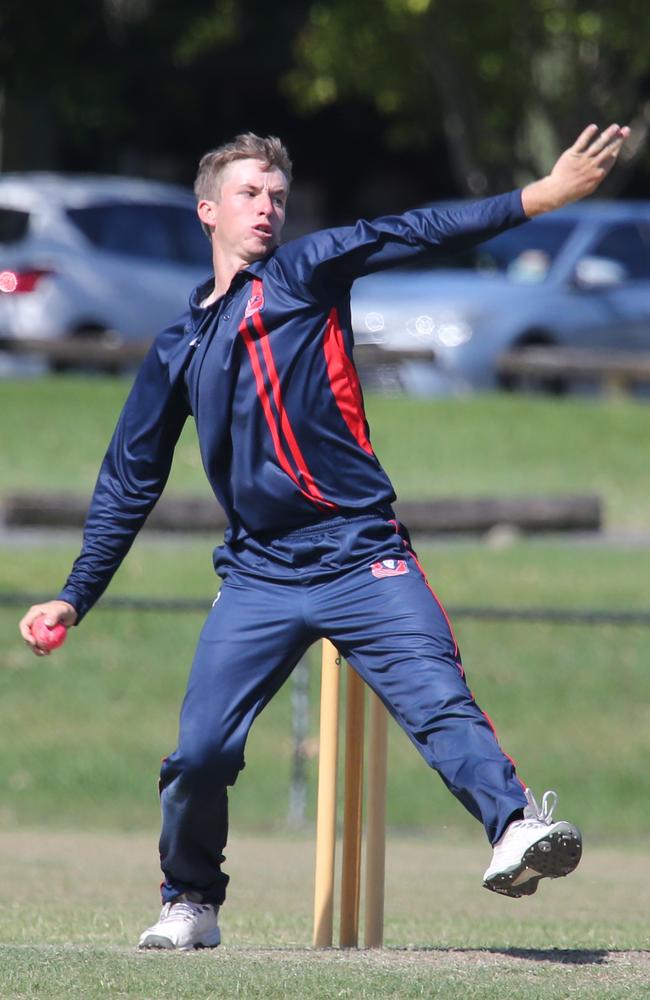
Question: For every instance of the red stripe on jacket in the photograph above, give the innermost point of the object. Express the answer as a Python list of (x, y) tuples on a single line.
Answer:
[(312, 492), (303, 469), (344, 382)]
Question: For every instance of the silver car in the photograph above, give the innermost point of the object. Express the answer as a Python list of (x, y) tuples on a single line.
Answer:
[(87, 255), (578, 277)]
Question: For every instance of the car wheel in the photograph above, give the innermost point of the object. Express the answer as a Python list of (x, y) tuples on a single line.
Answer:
[(73, 360), (510, 382)]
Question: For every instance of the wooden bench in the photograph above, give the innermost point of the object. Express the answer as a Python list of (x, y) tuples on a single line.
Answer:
[(442, 516), (617, 371), (109, 352), (105, 352)]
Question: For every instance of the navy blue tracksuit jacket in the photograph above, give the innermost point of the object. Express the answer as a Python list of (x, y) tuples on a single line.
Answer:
[(312, 547)]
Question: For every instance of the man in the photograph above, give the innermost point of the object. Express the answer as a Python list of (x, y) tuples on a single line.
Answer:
[(263, 362)]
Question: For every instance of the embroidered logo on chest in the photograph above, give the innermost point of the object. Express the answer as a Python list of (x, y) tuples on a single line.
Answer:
[(389, 567), (255, 303)]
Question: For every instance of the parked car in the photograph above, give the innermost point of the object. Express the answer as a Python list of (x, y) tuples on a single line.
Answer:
[(92, 255), (578, 277)]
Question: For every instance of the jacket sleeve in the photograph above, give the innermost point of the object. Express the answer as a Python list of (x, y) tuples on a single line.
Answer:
[(339, 256), (133, 473)]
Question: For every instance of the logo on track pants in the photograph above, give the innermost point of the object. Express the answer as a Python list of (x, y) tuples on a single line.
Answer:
[(389, 567)]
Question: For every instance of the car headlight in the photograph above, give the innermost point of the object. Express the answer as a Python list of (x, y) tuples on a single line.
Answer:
[(374, 322), (421, 327), (454, 333), (446, 331)]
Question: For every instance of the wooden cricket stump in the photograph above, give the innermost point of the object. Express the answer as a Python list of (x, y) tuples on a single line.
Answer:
[(326, 821)]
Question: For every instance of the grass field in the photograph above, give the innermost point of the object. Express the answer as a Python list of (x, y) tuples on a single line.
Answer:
[(75, 904), (57, 430), (546, 687), (83, 733), (571, 702)]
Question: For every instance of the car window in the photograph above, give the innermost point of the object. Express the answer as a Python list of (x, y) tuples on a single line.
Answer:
[(155, 232), (13, 225), (626, 246), (524, 254)]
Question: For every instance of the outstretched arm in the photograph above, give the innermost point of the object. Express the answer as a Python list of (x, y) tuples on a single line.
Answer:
[(336, 257), (578, 171)]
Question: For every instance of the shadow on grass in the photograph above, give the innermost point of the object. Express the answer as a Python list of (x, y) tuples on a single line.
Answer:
[(560, 956), (557, 956)]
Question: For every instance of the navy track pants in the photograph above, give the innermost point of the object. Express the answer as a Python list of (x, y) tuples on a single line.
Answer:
[(356, 581)]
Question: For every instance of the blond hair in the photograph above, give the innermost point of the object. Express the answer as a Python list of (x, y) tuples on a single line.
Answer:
[(247, 146)]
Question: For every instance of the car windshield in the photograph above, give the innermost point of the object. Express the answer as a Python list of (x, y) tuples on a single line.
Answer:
[(13, 225), (524, 254), (152, 231)]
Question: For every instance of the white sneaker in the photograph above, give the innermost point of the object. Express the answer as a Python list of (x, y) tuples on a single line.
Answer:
[(184, 924), (533, 848)]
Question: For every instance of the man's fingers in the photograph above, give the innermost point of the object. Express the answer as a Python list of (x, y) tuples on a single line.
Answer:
[(600, 151), (583, 140), (593, 144), (613, 148), (25, 624), (54, 612), (26, 633), (578, 171), (608, 157), (609, 136)]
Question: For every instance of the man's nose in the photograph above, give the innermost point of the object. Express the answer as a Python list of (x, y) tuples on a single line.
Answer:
[(265, 203)]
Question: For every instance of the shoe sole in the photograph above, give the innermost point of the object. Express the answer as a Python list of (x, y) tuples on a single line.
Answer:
[(554, 855), (156, 942)]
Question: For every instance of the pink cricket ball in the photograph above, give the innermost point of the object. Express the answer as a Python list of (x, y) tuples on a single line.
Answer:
[(49, 637)]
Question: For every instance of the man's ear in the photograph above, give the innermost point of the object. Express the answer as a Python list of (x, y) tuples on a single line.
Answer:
[(207, 212)]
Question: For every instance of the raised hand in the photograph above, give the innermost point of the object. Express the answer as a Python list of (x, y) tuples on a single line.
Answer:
[(578, 171)]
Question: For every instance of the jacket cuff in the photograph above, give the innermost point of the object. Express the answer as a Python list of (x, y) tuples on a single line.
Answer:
[(77, 601)]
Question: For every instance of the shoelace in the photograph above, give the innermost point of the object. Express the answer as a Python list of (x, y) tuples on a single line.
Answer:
[(182, 910), (543, 814)]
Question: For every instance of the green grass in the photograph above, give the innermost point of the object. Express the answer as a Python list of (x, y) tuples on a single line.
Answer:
[(486, 445), (532, 573), (76, 903), (86, 749), (85, 729)]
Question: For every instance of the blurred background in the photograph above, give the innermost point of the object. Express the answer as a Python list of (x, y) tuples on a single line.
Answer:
[(510, 385), (105, 111), (382, 105)]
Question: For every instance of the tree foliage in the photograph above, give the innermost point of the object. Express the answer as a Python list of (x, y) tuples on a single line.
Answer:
[(141, 76), (503, 85), (509, 82)]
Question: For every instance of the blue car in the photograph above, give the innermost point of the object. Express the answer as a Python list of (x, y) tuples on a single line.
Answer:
[(578, 277)]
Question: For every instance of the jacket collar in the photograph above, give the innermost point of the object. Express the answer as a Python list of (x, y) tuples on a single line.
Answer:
[(201, 292)]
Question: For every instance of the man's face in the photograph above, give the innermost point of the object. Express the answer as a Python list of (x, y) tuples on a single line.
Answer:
[(248, 211)]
